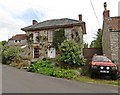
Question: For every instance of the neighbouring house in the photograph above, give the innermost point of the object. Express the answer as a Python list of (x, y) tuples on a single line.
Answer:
[(42, 34), (111, 35), (18, 40)]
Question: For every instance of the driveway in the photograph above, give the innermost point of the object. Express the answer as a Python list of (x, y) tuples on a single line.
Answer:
[(20, 81)]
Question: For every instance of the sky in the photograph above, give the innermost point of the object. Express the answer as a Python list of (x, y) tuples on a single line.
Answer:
[(16, 14)]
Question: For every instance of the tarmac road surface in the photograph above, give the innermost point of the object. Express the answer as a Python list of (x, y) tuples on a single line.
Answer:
[(19, 81)]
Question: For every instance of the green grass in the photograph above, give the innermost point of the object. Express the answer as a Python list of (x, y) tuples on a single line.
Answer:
[(98, 81)]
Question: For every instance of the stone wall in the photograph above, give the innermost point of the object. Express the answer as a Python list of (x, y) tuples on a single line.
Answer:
[(119, 48), (13, 42), (46, 43), (76, 32), (114, 46)]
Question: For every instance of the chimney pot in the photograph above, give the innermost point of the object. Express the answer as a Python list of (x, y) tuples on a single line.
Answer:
[(34, 22), (105, 5), (99, 30), (80, 17), (106, 13)]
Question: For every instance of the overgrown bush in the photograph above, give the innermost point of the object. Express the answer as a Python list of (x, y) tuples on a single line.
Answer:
[(84, 71), (118, 76), (11, 54), (20, 65), (46, 68), (70, 54), (39, 65)]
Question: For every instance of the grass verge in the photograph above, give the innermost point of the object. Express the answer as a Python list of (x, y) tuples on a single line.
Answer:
[(98, 81)]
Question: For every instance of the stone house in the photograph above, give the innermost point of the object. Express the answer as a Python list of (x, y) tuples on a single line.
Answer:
[(18, 40), (111, 35), (42, 34)]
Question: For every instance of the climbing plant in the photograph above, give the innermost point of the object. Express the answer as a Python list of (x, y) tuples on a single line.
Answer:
[(58, 38)]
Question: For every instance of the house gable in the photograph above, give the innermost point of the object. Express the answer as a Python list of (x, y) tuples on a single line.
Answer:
[(18, 39)]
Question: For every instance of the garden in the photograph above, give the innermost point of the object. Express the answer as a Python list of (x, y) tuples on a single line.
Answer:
[(69, 64)]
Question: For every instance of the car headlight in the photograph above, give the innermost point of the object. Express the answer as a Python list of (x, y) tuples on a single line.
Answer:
[(114, 68), (94, 67), (101, 67)]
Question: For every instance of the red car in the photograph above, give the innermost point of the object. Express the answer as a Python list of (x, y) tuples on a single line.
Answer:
[(102, 65)]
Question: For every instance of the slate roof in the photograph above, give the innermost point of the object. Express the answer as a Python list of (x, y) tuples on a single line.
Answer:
[(115, 23), (54, 23), (18, 37)]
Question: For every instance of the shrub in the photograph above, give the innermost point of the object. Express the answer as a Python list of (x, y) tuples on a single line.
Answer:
[(46, 68), (118, 76), (11, 54), (19, 65), (84, 71), (70, 55), (36, 66)]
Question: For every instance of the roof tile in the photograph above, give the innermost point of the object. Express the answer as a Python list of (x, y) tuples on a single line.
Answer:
[(52, 23), (115, 23), (18, 37)]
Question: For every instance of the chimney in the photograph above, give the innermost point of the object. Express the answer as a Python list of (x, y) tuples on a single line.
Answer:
[(80, 17), (99, 30), (106, 13), (34, 22)]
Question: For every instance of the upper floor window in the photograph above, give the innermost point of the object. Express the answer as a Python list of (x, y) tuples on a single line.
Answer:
[(19, 41), (16, 41), (35, 37), (50, 36)]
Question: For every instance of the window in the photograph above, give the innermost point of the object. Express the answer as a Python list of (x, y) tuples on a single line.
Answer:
[(19, 41), (16, 41), (50, 36), (36, 52), (36, 37)]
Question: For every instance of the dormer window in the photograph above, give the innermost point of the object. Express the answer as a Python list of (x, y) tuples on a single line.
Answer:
[(16, 41), (19, 41)]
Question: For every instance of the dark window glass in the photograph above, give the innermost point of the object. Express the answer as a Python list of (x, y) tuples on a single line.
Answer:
[(19, 40), (101, 59), (16, 41), (36, 52)]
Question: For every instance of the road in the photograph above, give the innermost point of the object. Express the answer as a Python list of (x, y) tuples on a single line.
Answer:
[(20, 81), (0, 74)]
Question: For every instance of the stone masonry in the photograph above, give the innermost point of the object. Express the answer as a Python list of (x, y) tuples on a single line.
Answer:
[(114, 37)]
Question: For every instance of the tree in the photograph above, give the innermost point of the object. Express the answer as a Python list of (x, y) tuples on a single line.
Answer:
[(3, 43), (86, 45), (58, 38), (97, 42), (70, 54)]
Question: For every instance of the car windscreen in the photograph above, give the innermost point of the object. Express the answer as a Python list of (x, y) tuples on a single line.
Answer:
[(101, 59)]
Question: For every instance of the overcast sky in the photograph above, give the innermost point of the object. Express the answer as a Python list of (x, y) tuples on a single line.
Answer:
[(16, 14)]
